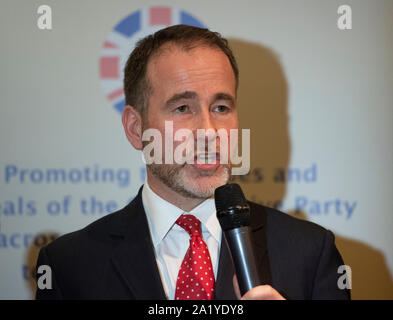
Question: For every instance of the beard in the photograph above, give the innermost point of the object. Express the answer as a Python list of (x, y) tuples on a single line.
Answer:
[(190, 182), (185, 179)]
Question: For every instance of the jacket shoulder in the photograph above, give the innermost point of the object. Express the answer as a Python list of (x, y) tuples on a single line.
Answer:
[(302, 255), (284, 226), (93, 244), (95, 231), (77, 259)]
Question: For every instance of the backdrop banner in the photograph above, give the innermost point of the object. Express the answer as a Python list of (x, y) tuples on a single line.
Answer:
[(316, 81)]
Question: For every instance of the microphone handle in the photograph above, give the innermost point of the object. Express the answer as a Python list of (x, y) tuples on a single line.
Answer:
[(241, 248)]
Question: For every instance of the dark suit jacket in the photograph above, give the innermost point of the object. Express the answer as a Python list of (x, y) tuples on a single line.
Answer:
[(113, 258)]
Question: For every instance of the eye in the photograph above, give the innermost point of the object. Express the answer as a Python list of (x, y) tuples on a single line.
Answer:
[(182, 109), (221, 109)]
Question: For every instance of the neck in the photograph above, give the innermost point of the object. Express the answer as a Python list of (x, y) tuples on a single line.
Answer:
[(165, 192)]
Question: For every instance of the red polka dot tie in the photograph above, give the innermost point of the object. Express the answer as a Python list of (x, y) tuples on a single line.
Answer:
[(195, 280)]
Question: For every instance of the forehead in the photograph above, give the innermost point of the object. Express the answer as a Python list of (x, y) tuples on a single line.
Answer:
[(176, 68)]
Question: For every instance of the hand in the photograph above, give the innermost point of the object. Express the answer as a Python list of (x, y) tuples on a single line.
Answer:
[(262, 292)]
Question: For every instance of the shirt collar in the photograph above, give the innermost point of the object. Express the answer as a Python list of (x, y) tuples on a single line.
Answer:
[(162, 215)]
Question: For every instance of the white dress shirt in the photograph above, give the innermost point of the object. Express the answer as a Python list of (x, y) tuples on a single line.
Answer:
[(171, 241)]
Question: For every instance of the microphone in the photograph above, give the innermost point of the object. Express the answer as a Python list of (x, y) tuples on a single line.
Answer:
[(233, 213)]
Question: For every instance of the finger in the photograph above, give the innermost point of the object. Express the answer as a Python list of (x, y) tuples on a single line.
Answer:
[(263, 292)]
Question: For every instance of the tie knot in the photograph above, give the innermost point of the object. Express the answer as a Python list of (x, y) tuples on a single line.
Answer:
[(190, 223)]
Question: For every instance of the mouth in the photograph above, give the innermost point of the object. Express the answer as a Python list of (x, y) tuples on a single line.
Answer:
[(207, 161)]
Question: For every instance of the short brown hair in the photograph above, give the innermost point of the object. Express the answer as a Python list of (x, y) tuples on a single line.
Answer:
[(137, 88)]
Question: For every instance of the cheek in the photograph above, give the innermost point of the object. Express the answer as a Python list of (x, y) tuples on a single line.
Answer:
[(235, 122), (230, 121), (231, 124), (155, 120)]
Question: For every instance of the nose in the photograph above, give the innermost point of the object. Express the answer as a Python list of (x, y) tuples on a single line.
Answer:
[(205, 121)]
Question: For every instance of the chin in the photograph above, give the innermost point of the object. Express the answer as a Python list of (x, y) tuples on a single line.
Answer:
[(203, 185), (190, 182)]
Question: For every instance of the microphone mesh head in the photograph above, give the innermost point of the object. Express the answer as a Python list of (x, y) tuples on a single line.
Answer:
[(228, 196)]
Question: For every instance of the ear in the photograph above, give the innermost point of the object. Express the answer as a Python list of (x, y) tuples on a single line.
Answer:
[(132, 123)]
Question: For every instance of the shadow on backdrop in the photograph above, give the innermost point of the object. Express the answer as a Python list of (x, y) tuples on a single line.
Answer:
[(371, 277), (263, 108), (262, 105)]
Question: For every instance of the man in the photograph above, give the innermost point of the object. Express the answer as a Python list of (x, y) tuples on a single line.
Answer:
[(187, 77)]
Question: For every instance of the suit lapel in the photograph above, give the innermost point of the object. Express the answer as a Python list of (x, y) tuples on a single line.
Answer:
[(259, 235), (225, 272), (134, 257)]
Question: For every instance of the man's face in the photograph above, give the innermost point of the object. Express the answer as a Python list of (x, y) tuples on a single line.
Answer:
[(194, 89)]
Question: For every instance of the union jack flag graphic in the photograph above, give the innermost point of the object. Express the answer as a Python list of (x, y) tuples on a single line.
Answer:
[(121, 41)]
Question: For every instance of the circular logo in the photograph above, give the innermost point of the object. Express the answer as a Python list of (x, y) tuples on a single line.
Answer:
[(121, 41)]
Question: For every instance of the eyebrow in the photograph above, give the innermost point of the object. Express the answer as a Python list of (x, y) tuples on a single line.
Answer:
[(193, 95), (224, 96), (180, 96)]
